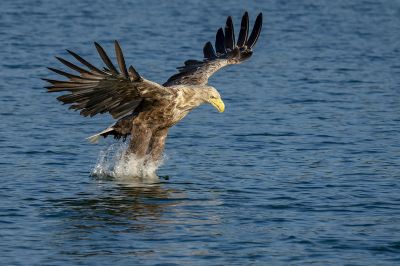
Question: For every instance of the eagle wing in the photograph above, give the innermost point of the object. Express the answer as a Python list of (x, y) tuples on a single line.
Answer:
[(226, 52), (95, 91)]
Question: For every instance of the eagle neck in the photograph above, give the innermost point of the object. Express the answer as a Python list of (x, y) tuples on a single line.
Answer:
[(193, 96)]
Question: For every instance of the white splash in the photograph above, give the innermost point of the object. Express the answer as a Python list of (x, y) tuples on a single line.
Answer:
[(117, 163)]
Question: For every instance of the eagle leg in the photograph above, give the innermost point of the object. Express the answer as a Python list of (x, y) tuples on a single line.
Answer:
[(140, 140), (157, 144)]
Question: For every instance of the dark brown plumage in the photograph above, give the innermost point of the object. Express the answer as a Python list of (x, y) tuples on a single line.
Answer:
[(197, 72), (146, 109)]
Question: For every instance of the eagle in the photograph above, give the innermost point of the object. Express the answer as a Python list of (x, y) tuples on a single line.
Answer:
[(146, 110)]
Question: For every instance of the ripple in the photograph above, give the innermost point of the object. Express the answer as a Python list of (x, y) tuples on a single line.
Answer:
[(301, 169)]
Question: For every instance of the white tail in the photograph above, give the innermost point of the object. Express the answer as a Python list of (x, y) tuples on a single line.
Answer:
[(95, 138)]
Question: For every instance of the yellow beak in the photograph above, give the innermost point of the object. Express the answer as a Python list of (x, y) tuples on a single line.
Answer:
[(218, 104)]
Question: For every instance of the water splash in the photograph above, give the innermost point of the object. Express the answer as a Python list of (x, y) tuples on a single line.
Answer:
[(116, 162)]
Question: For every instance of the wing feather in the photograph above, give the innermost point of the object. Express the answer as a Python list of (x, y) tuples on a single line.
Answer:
[(133, 74), (96, 91), (220, 42), (68, 75), (255, 33), (121, 60), (244, 30), (208, 51), (196, 72), (76, 68), (106, 59), (86, 63), (229, 34)]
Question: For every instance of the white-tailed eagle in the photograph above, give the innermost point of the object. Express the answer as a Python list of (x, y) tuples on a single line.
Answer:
[(146, 110)]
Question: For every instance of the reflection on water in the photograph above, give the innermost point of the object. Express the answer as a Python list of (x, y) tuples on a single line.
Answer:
[(121, 203), (134, 218), (121, 210)]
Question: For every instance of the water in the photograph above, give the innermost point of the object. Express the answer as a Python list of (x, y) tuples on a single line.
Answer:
[(116, 162), (302, 168)]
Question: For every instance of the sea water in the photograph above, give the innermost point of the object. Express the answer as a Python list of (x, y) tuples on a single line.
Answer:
[(302, 167)]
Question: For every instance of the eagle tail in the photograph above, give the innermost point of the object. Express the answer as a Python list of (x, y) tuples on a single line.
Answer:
[(95, 138)]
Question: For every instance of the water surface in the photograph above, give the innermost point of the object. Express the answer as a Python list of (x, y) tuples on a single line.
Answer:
[(302, 168)]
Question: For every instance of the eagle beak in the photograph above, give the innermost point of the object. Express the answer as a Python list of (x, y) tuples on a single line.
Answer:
[(218, 104)]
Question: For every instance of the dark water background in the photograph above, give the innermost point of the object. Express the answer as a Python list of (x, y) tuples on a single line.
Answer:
[(302, 168)]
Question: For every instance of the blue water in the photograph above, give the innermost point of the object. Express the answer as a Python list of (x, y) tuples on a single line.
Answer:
[(302, 168)]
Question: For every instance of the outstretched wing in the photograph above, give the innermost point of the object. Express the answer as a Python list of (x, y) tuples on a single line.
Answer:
[(95, 91), (226, 52)]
